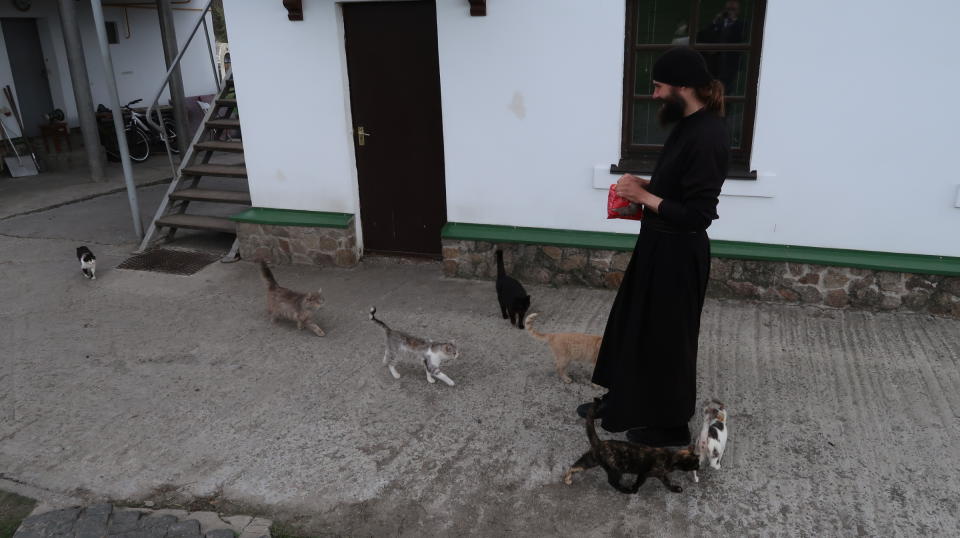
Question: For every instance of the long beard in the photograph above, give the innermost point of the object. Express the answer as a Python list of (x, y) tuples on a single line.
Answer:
[(671, 111)]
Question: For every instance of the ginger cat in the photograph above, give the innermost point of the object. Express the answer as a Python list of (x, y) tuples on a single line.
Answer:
[(567, 347)]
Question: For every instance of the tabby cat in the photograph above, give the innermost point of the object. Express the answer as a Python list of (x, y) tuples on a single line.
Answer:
[(292, 305), (620, 457)]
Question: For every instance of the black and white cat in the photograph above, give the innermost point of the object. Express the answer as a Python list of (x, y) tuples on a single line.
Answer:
[(513, 299), (88, 262), (430, 353)]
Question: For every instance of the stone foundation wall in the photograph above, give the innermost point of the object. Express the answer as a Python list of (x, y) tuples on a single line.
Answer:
[(839, 287), (298, 244), (795, 283), (537, 264)]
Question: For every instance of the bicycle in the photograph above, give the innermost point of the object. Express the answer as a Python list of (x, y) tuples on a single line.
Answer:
[(140, 136)]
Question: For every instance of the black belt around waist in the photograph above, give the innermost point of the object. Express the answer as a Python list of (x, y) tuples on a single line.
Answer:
[(657, 225)]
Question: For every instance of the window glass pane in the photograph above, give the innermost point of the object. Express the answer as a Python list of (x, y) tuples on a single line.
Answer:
[(663, 22), (646, 128), (734, 117), (643, 81), (112, 36), (730, 68), (724, 21)]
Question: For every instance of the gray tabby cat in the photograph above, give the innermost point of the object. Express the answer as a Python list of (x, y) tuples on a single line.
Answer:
[(288, 304), (430, 353)]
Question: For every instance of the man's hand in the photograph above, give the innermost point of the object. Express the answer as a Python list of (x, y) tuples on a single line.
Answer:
[(632, 188)]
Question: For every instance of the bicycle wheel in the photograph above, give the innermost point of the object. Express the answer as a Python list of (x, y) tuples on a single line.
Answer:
[(138, 143), (171, 131)]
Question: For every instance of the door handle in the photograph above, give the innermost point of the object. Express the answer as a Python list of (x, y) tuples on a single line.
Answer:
[(362, 136)]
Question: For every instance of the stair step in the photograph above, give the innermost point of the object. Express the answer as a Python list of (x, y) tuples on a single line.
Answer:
[(210, 195), (219, 170), (198, 222), (232, 146), (227, 102), (223, 124)]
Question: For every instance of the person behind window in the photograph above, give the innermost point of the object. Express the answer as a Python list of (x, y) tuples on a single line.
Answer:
[(648, 356), (727, 27), (681, 34)]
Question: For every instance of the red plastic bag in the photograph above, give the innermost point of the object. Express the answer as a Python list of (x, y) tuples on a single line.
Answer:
[(621, 208)]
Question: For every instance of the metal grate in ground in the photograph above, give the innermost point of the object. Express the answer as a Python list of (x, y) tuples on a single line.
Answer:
[(166, 260)]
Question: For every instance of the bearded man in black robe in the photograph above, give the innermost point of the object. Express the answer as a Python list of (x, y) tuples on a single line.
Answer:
[(648, 358)]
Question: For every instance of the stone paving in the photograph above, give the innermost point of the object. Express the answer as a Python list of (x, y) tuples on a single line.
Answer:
[(103, 520)]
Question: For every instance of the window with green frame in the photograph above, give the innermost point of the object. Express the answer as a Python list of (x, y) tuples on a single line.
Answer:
[(728, 33)]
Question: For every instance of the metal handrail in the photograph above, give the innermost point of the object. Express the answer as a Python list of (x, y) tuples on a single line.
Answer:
[(202, 20)]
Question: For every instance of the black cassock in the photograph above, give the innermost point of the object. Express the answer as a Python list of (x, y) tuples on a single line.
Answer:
[(648, 358)]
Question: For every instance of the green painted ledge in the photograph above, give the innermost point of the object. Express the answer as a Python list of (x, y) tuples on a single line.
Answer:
[(863, 259), (293, 217), (539, 236)]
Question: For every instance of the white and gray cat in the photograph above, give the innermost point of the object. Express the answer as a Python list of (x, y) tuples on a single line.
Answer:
[(430, 353), (713, 435)]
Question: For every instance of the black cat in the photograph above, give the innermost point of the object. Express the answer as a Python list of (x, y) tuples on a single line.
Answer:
[(513, 299), (620, 457)]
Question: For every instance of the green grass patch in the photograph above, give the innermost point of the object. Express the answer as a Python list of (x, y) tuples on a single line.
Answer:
[(13, 509)]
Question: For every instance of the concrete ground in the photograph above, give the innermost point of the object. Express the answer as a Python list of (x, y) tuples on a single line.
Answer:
[(140, 384), (51, 189)]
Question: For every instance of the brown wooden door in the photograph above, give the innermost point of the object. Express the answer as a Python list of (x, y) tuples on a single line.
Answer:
[(394, 77)]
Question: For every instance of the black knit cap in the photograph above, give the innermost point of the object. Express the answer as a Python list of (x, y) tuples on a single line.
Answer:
[(682, 66)]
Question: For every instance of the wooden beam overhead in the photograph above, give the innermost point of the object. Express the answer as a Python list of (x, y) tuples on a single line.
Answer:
[(294, 9), (478, 8)]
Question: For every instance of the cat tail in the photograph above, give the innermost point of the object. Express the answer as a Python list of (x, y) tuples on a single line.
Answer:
[(591, 428), (500, 270), (533, 332), (373, 318), (267, 275), (716, 402)]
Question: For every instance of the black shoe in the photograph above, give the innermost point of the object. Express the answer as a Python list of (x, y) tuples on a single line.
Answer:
[(612, 425), (660, 437), (584, 408)]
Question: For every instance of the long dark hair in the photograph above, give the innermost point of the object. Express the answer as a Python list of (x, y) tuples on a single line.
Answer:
[(712, 96)]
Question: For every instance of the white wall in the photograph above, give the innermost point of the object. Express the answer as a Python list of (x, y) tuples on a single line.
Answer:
[(297, 164), (138, 60), (852, 143), (291, 93), (858, 125), (531, 102)]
